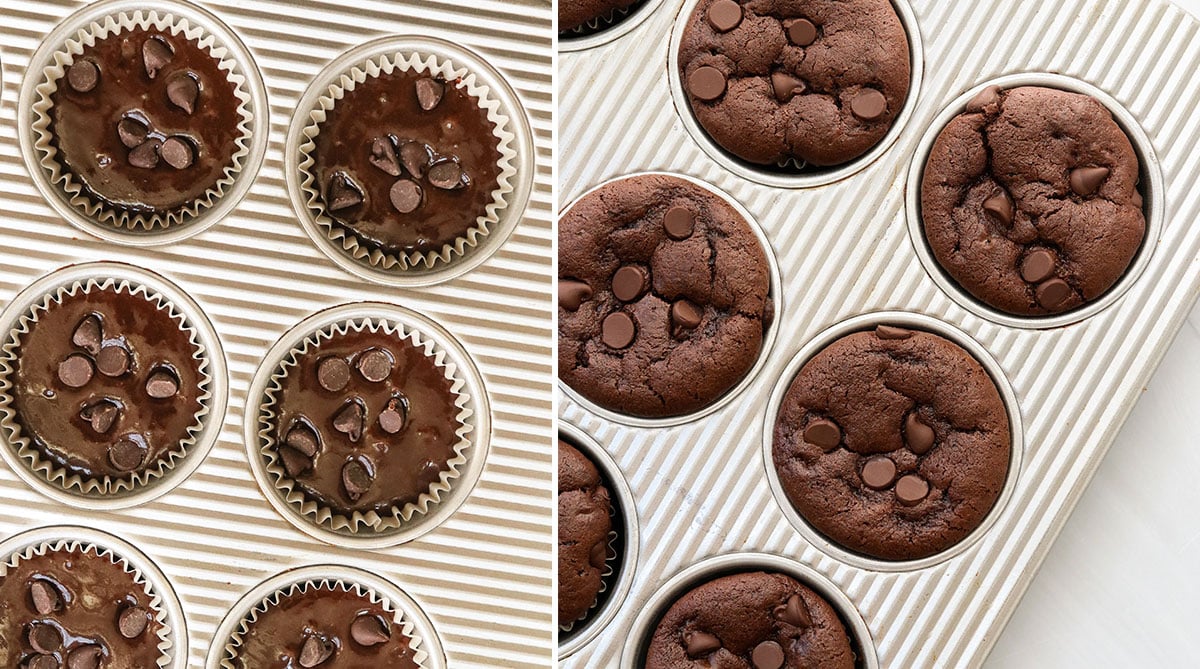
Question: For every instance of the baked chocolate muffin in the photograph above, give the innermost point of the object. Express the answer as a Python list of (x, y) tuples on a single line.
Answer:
[(106, 384), (795, 82), (663, 296), (406, 162), (573, 14), (753, 620), (77, 609), (146, 122), (1030, 200), (584, 525), (893, 443), (364, 421), (322, 626)]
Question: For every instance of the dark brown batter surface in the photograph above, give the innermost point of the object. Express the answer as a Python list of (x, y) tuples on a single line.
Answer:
[(396, 205), (106, 384), (325, 627), (1030, 200), (366, 422), (893, 443), (127, 138), (575, 13), (76, 610), (584, 523), (817, 82), (663, 296), (752, 620)]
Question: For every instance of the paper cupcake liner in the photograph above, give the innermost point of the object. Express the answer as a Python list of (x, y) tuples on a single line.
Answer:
[(358, 521), (62, 177), (165, 632), (610, 560), (232, 644), (409, 61), (29, 453)]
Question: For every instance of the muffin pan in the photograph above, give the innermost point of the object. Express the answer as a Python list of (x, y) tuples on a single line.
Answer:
[(844, 250), (483, 576)]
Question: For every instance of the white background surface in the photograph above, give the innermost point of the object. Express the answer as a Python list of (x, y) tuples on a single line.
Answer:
[(1120, 587)]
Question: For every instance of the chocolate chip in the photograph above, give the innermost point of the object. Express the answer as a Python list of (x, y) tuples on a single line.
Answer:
[(343, 192), (370, 630), (984, 99), (786, 86), (767, 655), (911, 489), (294, 462), (391, 419), (416, 157), (156, 54), (46, 597), (303, 438), (162, 384), (892, 333), (315, 650), (333, 374), (685, 315), (801, 32), (384, 156), (75, 371), (183, 90), (132, 132), (406, 196), (879, 472), (448, 175), (83, 76), (41, 662), (794, 612), (823, 433), (598, 555), (868, 104), (44, 638), (724, 15), (349, 421), (618, 330), (133, 621), (101, 415), (178, 153), (85, 657), (629, 282), (145, 155), (679, 222), (113, 360), (88, 334), (1086, 181), (1038, 266), (429, 93), (700, 643), (917, 435), (357, 477), (1000, 208), (375, 364), (126, 455), (706, 83), (1053, 293), (572, 294)]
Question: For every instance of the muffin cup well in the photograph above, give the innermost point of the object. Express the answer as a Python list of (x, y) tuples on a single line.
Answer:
[(105, 19), (173, 636), (370, 530), (1152, 189), (480, 81), (918, 322), (412, 619), (110, 493), (605, 29)]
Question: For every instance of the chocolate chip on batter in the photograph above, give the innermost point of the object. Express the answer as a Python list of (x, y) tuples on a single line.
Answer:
[(376, 364), (1000, 208), (706, 83), (132, 131), (294, 462), (800, 32), (1053, 293), (47, 598), (177, 152), (101, 414), (349, 421), (618, 330), (156, 54), (891, 332), (630, 282), (824, 433), (333, 373), (447, 174), (315, 650), (304, 438), (406, 196), (685, 315), (44, 638), (724, 15), (75, 371), (1038, 266), (113, 360), (343, 192), (572, 294), (385, 157), (133, 621), (41, 662), (85, 657), (767, 655), (1086, 181), (868, 104), (83, 76), (794, 612), (416, 157), (679, 222), (879, 472), (127, 454), (917, 435), (88, 334), (700, 643), (370, 630), (392, 418), (785, 86), (429, 93), (357, 476), (911, 489), (145, 155), (183, 90)]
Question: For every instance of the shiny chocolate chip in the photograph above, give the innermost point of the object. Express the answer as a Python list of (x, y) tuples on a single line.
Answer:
[(75, 371), (429, 92), (618, 330), (406, 196), (794, 612), (376, 364), (917, 435), (85, 657), (706, 83), (127, 454), (698, 644), (177, 152), (1086, 181), (132, 132), (767, 655), (911, 489), (156, 54), (333, 374), (133, 621), (357, 476), (45, 596), (392, 418), (349, 421), (448, 175), (183, 90), (823, 433), (83, 76), (315, 650), (786, 87), (113, 360), (88, 334), (145, 155), (879, 472), (44, 638), (385, 157), (343, 192), (868, 104), (294, 462), (303, 438), (416, 157), (101, 415), (41, 662), (370, 630), (162, 384), (572, 294), (679, 222)]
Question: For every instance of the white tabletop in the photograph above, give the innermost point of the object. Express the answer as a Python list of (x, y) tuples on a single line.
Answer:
[(1120, 587)]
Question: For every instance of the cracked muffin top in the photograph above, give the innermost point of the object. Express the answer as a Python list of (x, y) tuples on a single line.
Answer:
[(892, 443), (663, 296), (1030, 200), (800, 82)]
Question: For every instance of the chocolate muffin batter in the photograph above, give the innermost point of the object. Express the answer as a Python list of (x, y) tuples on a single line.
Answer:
[(584, 524), (365, 422), (407, 162), (575, 13), (326, 627), (752, 620), (663, 296), (106, 384), (1030, 200), (892, 443), (145, 121), (795, 82), (77, 610)]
